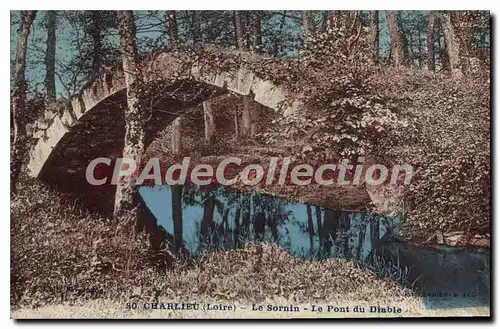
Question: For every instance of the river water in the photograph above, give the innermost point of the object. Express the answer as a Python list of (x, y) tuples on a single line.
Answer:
[(219, 218)]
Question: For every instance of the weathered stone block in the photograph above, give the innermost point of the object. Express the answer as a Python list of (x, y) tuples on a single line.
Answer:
[(240, 81), (78, 107), (42, 124), (267, 94), (220, 79), (49, 114), (67, 118), (55, 132), (44, 146), (37, 134)]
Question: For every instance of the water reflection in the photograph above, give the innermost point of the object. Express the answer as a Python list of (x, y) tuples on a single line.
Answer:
[(198, 219)]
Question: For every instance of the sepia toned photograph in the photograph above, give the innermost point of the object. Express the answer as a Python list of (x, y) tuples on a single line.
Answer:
[(250, 164)]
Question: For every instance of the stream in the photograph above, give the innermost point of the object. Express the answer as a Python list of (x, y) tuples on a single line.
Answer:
[(220, 218)]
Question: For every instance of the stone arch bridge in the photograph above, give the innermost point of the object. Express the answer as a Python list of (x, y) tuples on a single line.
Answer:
[(92, 125)]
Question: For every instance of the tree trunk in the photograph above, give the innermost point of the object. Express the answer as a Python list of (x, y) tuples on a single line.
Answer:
[(307, 23), (236, 124), (19, 143), (441, 46), (176, 138), (242, 43), (209, 118), (177, 215), (50, 58), (399, 52), (135, 113), (324, 21), (246, 116), (95, 33), (172, 26), (196, 27), (241, 40), (257, 32), (452, 44), (374, 35), (331, 21), (431, 60), (277, 40)]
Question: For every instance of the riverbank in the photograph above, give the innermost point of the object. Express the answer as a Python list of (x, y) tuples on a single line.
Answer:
[(68, 262), (61, 254)]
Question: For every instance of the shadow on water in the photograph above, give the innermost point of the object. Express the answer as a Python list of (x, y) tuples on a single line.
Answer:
[(220, 218)]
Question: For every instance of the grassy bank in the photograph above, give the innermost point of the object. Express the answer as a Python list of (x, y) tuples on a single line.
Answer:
[(64, 257)]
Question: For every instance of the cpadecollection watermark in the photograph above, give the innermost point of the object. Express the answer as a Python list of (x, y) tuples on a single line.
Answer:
[(230, 170)]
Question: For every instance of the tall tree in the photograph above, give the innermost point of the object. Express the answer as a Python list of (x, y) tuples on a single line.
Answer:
[(207, 105), (176, 137), (246, 116), (50, 57), (331, 19), (442, 50), (374, 35), (209, 118), (278, 37), (452, 44), (241, 37), (431, 60), (172, 31), (135, 112), (196, 27), (95, 30), (257, 32), (308, 22), (93, 52), (18, 149), (242, 44), (172, 28), (399, 51)]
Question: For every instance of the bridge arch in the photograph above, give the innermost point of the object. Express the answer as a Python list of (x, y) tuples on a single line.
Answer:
[(92, 121)]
